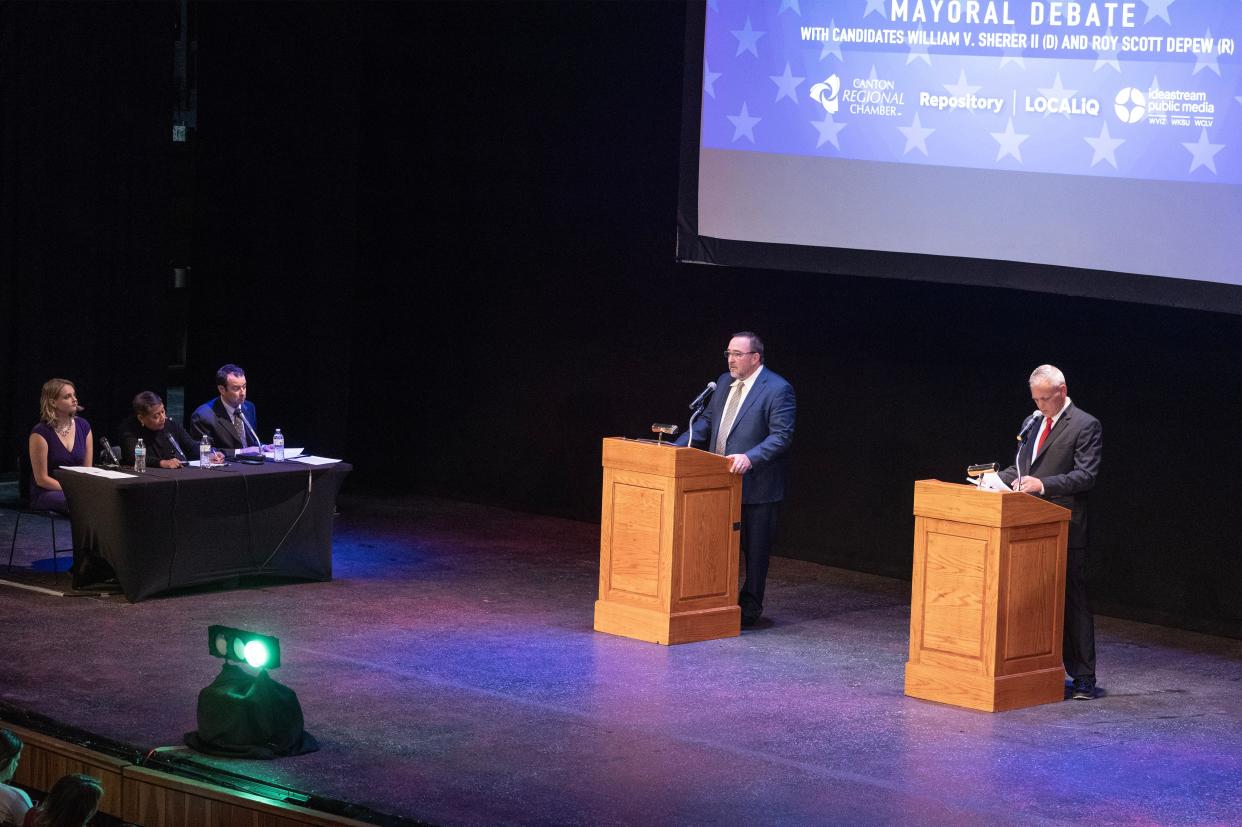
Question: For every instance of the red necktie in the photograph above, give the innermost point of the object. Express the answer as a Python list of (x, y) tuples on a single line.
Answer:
[(1043, 435)]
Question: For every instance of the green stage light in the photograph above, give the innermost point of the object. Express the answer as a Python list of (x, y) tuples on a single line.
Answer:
[(259, 651)]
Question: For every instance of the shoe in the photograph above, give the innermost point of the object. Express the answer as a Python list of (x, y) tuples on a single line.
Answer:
[(749, 619), (1083, 690)]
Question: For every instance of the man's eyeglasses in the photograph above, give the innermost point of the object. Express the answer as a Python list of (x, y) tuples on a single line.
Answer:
[(738, 354)]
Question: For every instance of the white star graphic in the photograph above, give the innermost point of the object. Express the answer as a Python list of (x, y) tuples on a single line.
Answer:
[(875, 5), (1206, 60), (1158, 8), (747, 39), (1105, 147), (831, 46), (1012, 55), (1203, 153), (916, 136), (790, 4), (828, 130), (961, 89), (709, 79), (1059, 92), (1107, 57), (918, 51), (743, 124), (786, 84), (1010, 142)]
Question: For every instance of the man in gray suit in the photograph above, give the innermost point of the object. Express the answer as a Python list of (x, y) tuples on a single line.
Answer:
[(1060, 462), (750, 420)]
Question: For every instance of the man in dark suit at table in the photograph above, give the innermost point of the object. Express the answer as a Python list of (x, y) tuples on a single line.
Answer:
[(750, 420), (228, 420), (166, 441), (1060, 462)]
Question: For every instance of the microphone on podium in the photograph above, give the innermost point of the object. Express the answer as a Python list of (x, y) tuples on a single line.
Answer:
[(702, 398), (1025, 432)]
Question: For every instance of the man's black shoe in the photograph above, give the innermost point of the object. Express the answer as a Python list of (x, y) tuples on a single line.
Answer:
[(750, 619), (1083, 690)]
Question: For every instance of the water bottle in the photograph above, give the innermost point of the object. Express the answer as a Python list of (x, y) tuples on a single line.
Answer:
[(278, 446), (204, 453), (140, 457)]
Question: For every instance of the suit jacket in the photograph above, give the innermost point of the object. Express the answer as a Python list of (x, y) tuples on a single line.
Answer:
[(1068, 466), (157, 443), (212, 418), (763, 430)]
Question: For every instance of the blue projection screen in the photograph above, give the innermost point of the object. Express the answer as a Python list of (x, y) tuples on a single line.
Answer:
[(1103, 137)]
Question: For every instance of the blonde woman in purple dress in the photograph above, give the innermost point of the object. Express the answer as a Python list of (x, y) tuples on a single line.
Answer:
[(61, 438)]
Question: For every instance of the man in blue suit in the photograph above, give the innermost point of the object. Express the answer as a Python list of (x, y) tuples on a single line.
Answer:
[(750, 420), (228, 420)]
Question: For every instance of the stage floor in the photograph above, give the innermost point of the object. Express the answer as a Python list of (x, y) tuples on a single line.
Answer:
[(451, 675)]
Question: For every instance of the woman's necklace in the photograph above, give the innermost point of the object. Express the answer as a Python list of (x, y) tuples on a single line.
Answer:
[(63, 430)]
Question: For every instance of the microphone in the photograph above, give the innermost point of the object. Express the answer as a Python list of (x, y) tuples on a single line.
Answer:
[(702, 398), (112, 460), (258, 442), (177, 448), (1026, 426)]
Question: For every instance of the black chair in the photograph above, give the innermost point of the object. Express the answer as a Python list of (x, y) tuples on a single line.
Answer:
[(24, 509)]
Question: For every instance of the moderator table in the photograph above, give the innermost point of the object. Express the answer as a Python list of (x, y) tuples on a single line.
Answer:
[(168, 529)]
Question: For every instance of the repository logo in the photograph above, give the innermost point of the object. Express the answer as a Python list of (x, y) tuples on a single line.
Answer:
[(1130, 105), (828, 94)]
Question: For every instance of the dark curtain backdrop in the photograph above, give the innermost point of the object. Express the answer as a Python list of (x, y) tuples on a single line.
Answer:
[(274, 228), (440, 238), (519, 162), (84, 132)]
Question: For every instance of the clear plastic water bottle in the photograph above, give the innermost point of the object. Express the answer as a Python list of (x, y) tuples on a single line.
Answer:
[(204, 453), (278, 446), (140, 457)]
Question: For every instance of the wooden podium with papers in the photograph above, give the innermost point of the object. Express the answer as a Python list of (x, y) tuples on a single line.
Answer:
[(669, 538), (987, 599)]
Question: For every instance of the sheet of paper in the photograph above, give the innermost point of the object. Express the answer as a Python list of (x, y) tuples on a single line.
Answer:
[(97, 472), (992, 482), (290, 453), (311, 459)]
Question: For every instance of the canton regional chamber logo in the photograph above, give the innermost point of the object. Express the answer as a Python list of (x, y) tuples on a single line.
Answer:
[(828, 93)]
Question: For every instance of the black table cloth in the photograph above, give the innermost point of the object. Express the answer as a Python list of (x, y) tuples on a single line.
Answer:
[(167, 529)]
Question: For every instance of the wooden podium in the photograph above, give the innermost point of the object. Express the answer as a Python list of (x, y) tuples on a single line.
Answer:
[(988, 598), (669, 534)]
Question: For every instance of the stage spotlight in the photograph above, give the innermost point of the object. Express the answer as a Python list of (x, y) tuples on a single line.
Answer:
[(246, 714), (259, 651)]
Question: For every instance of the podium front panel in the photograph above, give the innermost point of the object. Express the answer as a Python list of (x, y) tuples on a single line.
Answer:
[(703, 576)]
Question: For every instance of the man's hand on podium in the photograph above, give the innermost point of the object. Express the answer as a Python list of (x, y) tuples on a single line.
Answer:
[(738, 463), (1030, 485)]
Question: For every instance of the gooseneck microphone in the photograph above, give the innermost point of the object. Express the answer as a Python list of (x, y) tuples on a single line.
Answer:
[(258, 442), (112, 460), (701, 399), (176, 448), (1025, 432), (1023, 435)]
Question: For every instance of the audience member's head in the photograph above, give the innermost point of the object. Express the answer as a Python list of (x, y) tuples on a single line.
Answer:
[(10, 752), (58, 396), (71, 802)]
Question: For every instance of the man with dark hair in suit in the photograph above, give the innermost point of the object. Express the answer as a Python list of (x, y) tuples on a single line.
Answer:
[(750, 420), (228, 420), (165, 440), (1061, 462)]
